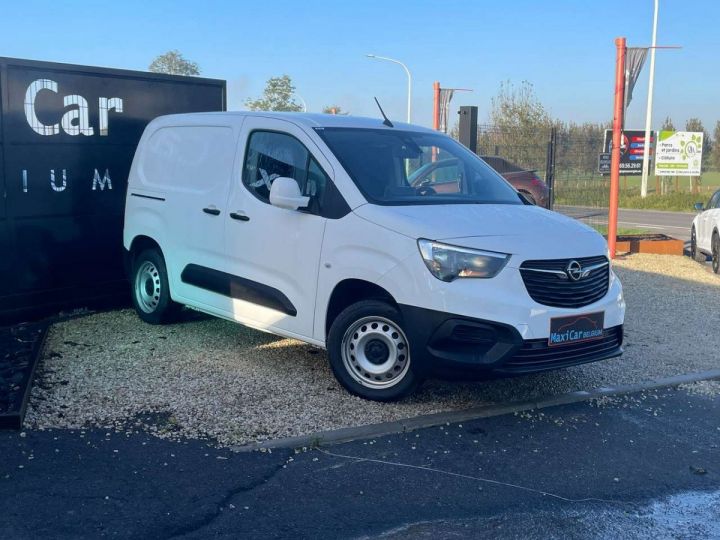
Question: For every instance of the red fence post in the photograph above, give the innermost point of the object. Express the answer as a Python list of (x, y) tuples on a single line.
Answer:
[(616, 142)]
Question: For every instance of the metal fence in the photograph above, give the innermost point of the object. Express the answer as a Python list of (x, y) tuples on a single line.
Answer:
[(566, 161)]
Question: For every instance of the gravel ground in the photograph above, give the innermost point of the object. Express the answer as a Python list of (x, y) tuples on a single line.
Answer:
[(211, 378)]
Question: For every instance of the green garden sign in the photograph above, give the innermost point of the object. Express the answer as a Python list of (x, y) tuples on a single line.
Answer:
[(679, 153)]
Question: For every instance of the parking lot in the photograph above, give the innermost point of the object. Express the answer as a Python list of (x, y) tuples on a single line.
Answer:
[(207, 378)]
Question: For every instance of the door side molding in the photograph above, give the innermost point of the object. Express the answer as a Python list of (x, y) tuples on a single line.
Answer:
[(237, 287)]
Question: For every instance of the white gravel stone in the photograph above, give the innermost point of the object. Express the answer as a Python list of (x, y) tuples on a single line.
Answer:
[(212, 378)]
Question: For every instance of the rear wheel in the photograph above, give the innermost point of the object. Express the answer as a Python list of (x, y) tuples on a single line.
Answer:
[(716, 253), (150, 288), (369, 352)]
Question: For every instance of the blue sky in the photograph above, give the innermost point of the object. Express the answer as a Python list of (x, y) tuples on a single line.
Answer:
[(563, 47)]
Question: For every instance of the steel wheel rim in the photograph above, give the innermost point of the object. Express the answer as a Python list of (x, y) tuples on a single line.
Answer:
[(361, 349), (147, 287)]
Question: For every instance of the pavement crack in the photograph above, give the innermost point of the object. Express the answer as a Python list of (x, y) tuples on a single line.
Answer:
[(468, 477), (211, 516)]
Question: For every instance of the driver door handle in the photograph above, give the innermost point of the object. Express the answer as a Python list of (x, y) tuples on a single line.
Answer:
[(212, 211), (240, 216)]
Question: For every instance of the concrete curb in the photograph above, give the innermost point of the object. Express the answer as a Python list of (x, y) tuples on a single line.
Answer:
[(348, 434)]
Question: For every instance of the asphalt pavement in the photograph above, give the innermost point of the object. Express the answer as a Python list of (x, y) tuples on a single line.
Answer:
[(639, 466), (675, 224)]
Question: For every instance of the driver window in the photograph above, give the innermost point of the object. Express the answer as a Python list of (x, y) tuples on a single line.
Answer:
[(716, 197), (270, 155), (713, 202)]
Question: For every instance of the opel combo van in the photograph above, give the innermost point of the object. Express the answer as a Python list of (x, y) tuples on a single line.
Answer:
[(306, 226)]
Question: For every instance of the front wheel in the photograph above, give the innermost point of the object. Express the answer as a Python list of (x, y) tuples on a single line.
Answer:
[(695, 253), (369, 352), (716, 253)]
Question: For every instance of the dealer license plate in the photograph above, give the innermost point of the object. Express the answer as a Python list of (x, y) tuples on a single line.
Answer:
[(576, 328)]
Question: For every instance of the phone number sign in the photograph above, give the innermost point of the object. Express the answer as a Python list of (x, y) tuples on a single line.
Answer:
[(632, 148)]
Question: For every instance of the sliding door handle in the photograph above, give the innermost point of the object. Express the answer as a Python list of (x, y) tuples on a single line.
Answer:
[(240, 216), (212, 211)]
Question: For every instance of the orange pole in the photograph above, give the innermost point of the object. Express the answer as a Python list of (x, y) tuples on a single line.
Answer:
[(436, 105), (436, 117), (616, 141)]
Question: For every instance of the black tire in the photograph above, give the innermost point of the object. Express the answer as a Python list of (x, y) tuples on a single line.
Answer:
[(150, 289), (383, 347), (695, 253), (716, 253)]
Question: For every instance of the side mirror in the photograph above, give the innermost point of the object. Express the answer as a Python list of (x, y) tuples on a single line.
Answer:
[(285, 193), (699, 206)]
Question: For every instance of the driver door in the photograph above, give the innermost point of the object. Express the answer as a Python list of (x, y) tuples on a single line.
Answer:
[(273, 254)]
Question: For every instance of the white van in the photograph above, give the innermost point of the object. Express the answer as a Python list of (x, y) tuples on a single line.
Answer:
[(306, 226)]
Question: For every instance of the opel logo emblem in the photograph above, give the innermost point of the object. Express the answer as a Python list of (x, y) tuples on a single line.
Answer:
[(574, 270)]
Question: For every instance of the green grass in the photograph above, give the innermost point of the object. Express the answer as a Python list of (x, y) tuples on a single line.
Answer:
[(676, 202), (709, 179), (596, 192), (622, 231)]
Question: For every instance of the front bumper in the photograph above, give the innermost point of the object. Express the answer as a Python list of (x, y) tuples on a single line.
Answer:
[(443, 343)]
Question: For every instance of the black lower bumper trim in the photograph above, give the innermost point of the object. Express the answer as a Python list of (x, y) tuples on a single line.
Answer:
[(445, 343)]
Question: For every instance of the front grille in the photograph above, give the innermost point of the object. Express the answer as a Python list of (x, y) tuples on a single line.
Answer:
[(537, 355), (550, 289)]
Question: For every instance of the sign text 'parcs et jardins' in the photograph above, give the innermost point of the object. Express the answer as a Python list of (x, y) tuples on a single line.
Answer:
[(679, 153)]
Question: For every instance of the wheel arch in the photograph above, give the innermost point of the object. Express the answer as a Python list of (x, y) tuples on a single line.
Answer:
[(138, 244), (350, 291)]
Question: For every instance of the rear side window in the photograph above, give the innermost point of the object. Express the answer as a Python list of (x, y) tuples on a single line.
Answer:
[(196, 158), (271, 155)]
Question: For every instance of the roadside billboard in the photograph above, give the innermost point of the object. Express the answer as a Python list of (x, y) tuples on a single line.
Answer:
[(679, 153), (632, 147)]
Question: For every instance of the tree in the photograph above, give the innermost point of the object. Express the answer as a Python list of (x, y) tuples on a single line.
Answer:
[(277, 96), (518, 107), (695, 124), (667, 124), (174, 63), (520, 126)]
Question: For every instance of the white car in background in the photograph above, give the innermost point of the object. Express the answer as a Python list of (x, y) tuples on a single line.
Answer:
[(307, 226), (705, 232)]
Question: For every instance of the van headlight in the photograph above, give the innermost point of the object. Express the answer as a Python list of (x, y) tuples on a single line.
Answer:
[(448, 263)]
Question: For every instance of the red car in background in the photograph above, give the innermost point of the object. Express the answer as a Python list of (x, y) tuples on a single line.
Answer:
[(443, 177)]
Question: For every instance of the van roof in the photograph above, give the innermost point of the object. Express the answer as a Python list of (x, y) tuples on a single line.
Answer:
[(311, 120)]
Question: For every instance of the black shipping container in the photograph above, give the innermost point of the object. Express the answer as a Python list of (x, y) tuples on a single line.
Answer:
[(67, 138)]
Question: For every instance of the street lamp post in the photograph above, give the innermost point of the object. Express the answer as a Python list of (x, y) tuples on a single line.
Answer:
[(304, 105), (409, 77), (648, 113)]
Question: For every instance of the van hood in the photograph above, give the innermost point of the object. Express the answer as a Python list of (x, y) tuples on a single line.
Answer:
[(528, 231)]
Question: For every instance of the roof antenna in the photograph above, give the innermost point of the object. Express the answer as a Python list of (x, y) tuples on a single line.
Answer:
[(387, 121)]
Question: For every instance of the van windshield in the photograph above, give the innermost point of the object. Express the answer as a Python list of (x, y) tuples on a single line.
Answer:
[(405, 167)]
